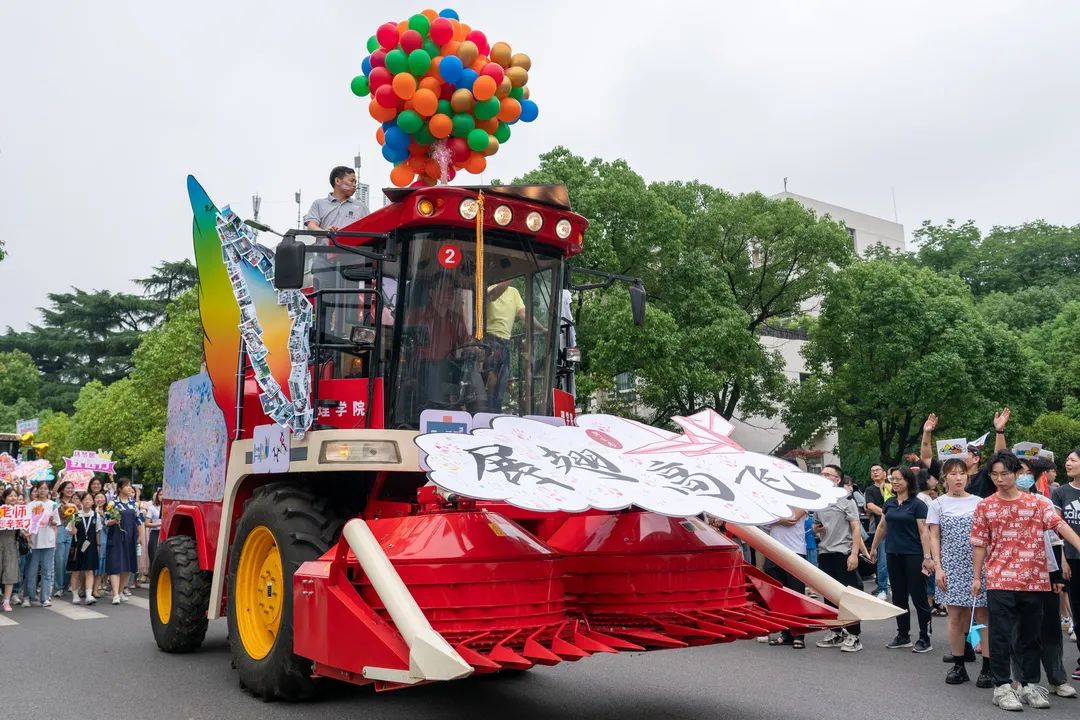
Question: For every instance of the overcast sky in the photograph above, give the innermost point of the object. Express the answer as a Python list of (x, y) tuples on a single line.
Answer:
[(967, 109)]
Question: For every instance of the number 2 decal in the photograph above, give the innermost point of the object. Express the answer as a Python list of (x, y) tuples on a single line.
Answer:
[(449, 256)]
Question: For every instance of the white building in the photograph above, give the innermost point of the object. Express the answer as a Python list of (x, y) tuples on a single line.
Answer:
[(866, 230)]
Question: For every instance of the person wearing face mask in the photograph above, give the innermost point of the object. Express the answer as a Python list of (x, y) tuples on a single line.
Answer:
[(949, 520), (979, 482)]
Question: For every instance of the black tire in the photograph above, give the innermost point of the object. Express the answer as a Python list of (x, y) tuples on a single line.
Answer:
[(190, 596), (304, 528)]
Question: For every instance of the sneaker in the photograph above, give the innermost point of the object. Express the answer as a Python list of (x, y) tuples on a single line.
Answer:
[(1076, 674), (47, 603), (1065, 691), (900, 641), (957, 674), (985, 680), (6, 606), (922, 645), (1006, 699), (1035, 696), (58, 593), (763, 638), (833, 641), (26, 603), (126, 593), (75, 599), (852, 644), (882, 595), (1066, 622), (115, 599), (90, 600)]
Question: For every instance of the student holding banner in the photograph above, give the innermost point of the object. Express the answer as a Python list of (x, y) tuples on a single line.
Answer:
[(44, 519), (9, 551)]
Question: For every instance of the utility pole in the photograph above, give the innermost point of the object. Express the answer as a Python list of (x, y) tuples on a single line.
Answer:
[(785, 184), (297, 209), (256, 203)]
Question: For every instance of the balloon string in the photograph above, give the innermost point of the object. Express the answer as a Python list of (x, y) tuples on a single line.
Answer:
[(481, 293)]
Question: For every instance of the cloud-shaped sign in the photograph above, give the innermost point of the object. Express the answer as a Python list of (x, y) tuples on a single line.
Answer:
[(610, 463)]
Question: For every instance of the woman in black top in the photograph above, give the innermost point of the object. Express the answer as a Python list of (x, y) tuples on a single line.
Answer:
[(84, 558), (903, 529)]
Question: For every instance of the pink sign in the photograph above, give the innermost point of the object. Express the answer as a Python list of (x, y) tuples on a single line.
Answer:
[(88, 460), (14, 517), (7, 466), (79, 478)]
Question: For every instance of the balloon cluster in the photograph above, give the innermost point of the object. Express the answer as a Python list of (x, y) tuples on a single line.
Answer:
[(446, 98)]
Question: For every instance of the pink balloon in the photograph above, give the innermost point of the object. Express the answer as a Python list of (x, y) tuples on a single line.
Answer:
[(387, 35), (481, 41), (494, 71), (386, 96), (450, 173), (441, 31), (411, 40)]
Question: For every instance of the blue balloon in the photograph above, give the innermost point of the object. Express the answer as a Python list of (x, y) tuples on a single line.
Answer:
[(396, 138), (448, 13), (529, 111), (395, 154), (450, 68), (389, 124), (366, 65), (468, 77)]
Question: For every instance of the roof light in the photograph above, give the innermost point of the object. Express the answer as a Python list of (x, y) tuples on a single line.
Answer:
[(503, 215), (534, 221), (425, 207), (468, 208), (562, 229)]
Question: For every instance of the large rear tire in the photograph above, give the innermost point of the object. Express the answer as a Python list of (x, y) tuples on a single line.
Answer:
[(283, 526), (179, 596)]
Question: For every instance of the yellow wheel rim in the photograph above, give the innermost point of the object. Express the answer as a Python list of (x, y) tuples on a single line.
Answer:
[(259, 593), (164, 596)]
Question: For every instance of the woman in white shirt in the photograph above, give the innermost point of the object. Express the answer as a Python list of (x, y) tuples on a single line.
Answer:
[(42, 547), (948, 518)]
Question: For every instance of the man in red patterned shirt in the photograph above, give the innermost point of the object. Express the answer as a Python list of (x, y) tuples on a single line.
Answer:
[(1007, 534)]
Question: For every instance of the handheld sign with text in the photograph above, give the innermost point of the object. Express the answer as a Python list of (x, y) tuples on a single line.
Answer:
[(90, 460), (955, 448), (14, 517)]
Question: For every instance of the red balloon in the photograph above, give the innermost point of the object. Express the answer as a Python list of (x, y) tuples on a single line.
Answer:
[(379, 76), (459, 149), (445, 92), (386, 96), (450, 173), (494, 71), (411, 40), (387, 35), (481, 41), (378, 58), (441, 31)]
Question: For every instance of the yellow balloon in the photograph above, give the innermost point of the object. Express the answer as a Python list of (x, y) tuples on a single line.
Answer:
[(518, 75), (501, 54), (521, 60), (462, 101), (468, 52), (504, 88), (493, 146), (526, 93)]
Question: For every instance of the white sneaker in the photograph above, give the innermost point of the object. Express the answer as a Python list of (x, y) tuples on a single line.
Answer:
[(882, 596), (1065, 691), (115, 599), (75, 599), (1035, 696), (832, 641), (852, 643), (26, 602), (90, 599), (1006, 699), (58, 593), (47, 603)]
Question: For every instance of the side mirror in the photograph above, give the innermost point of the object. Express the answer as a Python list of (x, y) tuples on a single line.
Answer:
[(637, 303), (289, 265)]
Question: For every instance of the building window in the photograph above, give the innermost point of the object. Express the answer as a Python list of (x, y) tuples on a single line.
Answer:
[(851, 232), (626, 387)]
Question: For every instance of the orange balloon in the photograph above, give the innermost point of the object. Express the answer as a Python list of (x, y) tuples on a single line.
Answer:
[(404, 85), (440, 125), (459, 34), (380, 136), (451, 48), (402, 175), (480, 63), (431, 168), (476, 163), (509, 110), (380, 113), (402, 27), (417, 150), (425, 102), (504, 88), (501, 53), (416, 163), (466, 28), (429, 14), (432, 84), (484, 88), (491, 124), (433, 69)]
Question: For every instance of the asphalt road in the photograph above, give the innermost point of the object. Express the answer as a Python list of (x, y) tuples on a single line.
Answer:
[(106, 665)]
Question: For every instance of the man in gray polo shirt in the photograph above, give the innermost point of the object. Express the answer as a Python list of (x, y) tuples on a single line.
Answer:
[(338, 209)]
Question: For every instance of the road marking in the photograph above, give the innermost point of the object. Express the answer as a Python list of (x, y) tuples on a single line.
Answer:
[(75, 612), (4, 620), (139, 602)]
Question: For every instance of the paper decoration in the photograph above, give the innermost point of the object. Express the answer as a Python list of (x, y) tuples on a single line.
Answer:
[(270, 449), (609, 463), (40, 512), (89, 460), (196, 441), (1027, 449), (980, 441), (238, 245), (14, 517), (34, 471), (1047, 455), (26, 426), (80, 479), (7, 466), (949, 449)]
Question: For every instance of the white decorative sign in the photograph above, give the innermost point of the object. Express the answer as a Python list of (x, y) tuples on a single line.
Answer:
[(26, 426), (1026, 449), (949, 449), (610, 463), (270, 449)]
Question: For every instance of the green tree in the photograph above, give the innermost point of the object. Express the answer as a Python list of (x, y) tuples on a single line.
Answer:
[(168, 281), (895, 343), (56, 430), (1056, 432), (19, 378), (1055, 348)]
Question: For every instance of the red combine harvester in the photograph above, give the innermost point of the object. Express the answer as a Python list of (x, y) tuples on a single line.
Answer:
[(347, 563)]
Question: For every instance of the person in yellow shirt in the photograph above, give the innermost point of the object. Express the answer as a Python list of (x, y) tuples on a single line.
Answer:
[(504, 306)]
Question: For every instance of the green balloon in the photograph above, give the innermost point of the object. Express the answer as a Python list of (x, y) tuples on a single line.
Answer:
[(478, 140), (419, 62), (502, 133), (360, 86), (518, 93), (463, 125), (422, 136), (487, 109), (396, 62), (420, 24), (372, 44), (445, 108), (431, 48), (409, 121)]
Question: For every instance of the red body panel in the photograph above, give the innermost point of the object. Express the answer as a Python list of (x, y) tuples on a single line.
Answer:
[(200, 519)]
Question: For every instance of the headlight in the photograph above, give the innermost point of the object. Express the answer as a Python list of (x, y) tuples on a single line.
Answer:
[(534, 221), (562, 229), (359, 451), (468, 208), (503, 215), (425, 207)]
